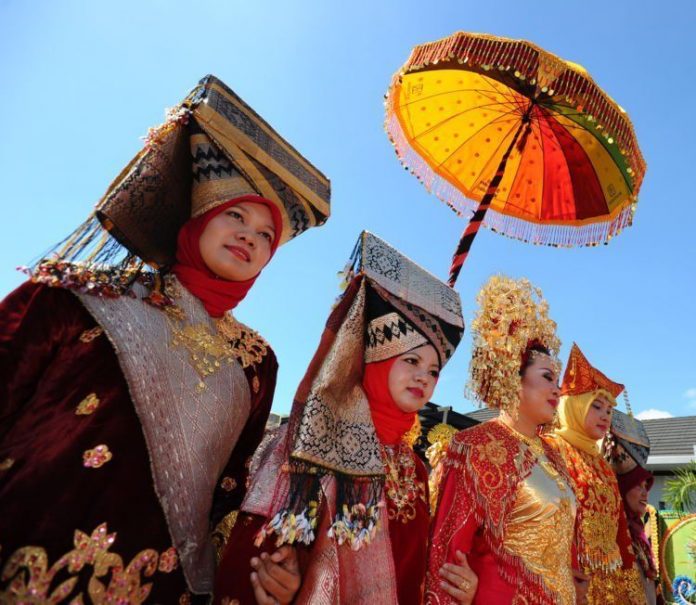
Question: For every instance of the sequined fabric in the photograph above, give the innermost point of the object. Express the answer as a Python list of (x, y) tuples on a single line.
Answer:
[(540, 525), (603, 542), (509, 505), (183, 425)]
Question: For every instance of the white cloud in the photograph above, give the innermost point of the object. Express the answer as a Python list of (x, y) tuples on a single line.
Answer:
[(652, 414), (690, 394)]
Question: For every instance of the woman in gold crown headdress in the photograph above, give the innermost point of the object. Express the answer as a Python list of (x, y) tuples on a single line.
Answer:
[(505, 504), (341, 482), (603, 542), (131, 398)]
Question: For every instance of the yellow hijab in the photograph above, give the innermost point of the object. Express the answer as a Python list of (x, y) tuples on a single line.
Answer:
[(572, 412)]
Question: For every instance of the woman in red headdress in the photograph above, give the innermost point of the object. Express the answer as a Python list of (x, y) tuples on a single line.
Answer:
[(602, 543), (131, 400)]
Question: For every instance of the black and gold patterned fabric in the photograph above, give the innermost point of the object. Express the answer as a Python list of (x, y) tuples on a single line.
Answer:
[(211, 134), (390, 306)]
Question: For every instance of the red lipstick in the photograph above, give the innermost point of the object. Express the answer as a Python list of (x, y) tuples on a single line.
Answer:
[(240, 253)]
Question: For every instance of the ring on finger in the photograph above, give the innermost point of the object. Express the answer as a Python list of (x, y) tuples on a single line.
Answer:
[(465, 585)]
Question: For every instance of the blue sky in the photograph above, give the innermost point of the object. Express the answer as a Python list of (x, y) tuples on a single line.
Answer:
[(82, 81)]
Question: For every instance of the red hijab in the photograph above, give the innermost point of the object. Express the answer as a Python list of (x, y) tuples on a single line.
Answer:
[(218, 295), (391, 424)]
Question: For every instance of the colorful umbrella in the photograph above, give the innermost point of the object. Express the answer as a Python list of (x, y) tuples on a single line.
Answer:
[(523, 139)]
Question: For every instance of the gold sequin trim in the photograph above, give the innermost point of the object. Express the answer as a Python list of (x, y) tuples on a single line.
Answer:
[(88, 405), (30, 577), (222, 532), (91, 334), (248, 345)]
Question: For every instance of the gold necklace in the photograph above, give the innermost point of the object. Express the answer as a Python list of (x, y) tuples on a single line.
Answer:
[(401, 484), (232, 342), (536, 445)]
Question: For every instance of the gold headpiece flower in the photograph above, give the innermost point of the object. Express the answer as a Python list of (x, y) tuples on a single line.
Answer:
[(512, 316)]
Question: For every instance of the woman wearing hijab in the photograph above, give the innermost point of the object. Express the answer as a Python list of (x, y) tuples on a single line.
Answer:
[(505, 507), (627, 448), (341, 482), (130, 400), (634, 487), (602, 541)]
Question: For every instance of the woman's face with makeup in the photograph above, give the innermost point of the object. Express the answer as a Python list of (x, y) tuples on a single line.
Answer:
[(598, 418), (237, 243), (413, 377), (637, 498), (540, 390)]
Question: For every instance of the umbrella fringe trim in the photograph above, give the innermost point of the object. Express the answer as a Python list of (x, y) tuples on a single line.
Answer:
[(555, 235)]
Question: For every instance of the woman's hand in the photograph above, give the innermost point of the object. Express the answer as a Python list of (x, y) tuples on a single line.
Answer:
[(276, 578), (582, 583), (459, 581)]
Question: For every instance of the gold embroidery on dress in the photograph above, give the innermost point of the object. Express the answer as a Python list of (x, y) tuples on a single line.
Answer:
[(88, 405), (439, 438), (97, 457), (401, 484), (540, 527), (539, 530), (30, 577), (168, 560), (413, 434), (222, 532), (248, 345), (233, 342), (91, 334), (599, 503), (494, 450), (618, 587)]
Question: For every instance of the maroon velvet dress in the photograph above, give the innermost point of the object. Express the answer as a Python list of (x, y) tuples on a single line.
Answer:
[(409, 520), (79, 513)]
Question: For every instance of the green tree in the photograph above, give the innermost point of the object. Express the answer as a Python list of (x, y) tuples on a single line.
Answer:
[(680, 491)]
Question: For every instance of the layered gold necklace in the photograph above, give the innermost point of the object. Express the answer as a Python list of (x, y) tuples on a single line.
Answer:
[(536, 445), (230, 342)]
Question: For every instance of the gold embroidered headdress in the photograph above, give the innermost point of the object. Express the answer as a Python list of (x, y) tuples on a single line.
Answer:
[(582, 384), (512, 316)]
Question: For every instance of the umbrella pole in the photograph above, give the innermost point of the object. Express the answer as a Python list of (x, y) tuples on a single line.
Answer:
[(475, 222)]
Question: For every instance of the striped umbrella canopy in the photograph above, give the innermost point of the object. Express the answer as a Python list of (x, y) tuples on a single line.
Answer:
[(524, 140)]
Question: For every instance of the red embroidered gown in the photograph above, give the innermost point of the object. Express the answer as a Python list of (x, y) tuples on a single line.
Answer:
[(79, 514), (505, 503)]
